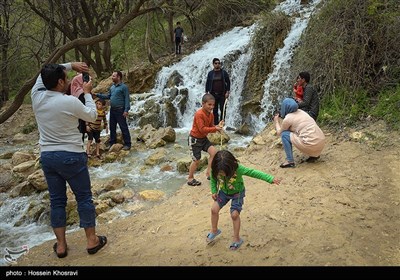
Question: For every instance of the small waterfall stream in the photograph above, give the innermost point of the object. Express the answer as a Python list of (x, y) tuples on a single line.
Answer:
[(279, 83), (194, 68)]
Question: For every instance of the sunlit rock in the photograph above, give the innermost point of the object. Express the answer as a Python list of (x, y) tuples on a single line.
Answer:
[(20, 157), (152, 195), (38, 180)]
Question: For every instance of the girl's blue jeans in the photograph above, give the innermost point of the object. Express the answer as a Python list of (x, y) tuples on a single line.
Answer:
[(287, 145), (59, 168)]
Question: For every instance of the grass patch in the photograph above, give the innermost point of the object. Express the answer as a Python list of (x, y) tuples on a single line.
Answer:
[(28, 128), (388, 107), (344, 107), (347, 108)]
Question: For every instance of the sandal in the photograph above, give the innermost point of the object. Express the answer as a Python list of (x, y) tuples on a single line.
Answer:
[(211, 236), (194, 182), (312, 159), (236, 245), (286, 165), (102, 242), (60, 255)]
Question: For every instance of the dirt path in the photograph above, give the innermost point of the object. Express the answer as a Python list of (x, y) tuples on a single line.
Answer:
[(340, 211)]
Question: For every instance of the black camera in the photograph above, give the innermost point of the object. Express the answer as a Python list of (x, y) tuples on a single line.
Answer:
[(85, 77)]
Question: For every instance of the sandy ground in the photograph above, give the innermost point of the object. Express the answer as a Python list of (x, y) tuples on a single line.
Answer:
[(340, 211)]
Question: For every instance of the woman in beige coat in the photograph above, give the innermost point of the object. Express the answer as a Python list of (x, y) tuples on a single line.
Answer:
[(300, 130)]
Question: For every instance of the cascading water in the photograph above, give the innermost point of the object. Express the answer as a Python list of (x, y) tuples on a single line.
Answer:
[(194, 68), (279, 82)]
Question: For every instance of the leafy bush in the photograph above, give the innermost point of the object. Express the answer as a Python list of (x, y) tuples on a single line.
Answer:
[(352, 44), (388, 107), (29, 128), (344, 108)]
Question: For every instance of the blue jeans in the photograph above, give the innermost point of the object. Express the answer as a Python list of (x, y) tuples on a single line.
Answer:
[(287, 145), (117, 117), (61, 167)]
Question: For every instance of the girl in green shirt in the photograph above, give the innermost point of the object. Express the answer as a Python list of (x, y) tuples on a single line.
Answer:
[(227, 184)]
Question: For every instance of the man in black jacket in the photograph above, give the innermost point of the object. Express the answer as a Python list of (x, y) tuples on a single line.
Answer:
[(219, 85)]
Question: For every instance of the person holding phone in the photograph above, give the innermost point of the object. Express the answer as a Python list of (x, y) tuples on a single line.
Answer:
[(62, 155)]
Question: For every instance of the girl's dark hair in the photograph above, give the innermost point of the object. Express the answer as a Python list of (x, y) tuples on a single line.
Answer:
[(224, 161), (51, 73)]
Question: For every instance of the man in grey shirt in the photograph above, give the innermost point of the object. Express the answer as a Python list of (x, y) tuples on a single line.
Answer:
[(62, 156)]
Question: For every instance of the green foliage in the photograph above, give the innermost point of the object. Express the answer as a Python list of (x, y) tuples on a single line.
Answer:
[(344, 107), (216, 15), (352, 45), (347, 108), (28, 128), (388, 107)]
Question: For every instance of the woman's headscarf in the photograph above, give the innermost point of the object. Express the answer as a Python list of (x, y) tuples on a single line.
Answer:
[(289, 105)]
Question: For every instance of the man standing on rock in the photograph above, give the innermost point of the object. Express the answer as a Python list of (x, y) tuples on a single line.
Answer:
[(63, 157), (120, 106), (219, 85)]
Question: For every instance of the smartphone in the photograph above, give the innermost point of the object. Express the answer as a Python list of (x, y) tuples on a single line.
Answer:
[(85, 77)]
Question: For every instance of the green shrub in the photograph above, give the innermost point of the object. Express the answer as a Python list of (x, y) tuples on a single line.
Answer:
[(344, 107), (388, 107), (28, 128)]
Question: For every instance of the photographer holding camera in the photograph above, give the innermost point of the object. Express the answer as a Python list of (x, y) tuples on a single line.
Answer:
[(63, 157), (299, 129)]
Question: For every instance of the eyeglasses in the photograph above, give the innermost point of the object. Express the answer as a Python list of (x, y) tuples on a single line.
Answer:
[(217, 62)]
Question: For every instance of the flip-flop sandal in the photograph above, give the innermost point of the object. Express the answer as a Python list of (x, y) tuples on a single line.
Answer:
[(211, 236), (102, 242), (60, 255), (236, 245), (194, 182)]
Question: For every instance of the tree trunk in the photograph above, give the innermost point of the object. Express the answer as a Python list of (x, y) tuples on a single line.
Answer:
[(147, 41)]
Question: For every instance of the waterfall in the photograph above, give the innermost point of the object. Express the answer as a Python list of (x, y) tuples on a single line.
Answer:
[(234, 50), (194, 68), (279, 83)]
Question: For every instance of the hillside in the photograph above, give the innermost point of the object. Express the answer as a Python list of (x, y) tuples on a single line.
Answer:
[(340, 211)]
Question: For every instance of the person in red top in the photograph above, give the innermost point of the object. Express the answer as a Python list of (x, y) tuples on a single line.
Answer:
[(203, 123), (298, 91)]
